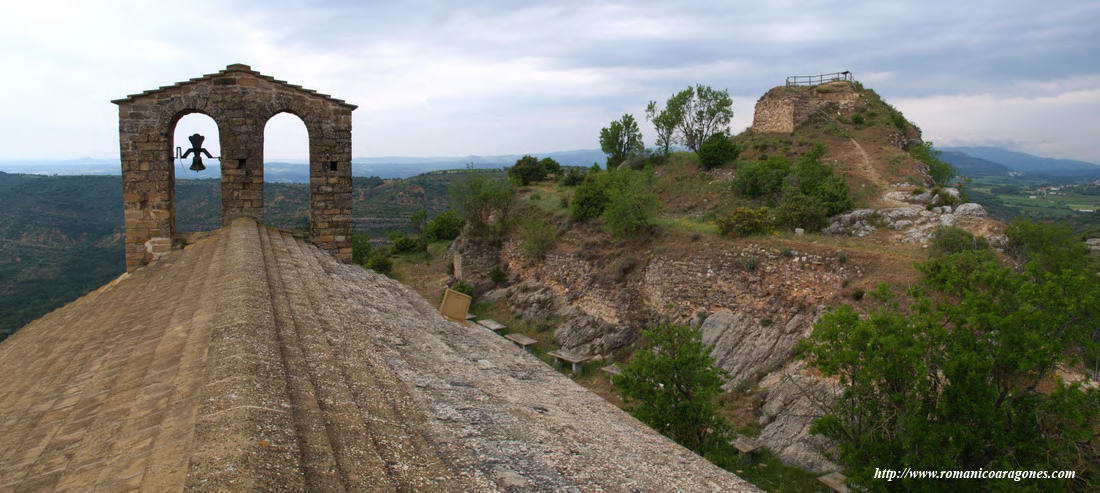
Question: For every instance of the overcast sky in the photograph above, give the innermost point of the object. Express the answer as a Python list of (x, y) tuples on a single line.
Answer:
[(438, 78)]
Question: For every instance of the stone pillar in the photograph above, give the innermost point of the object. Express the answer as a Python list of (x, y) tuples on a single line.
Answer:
[(330, 187), (242, 168), (148, 183)]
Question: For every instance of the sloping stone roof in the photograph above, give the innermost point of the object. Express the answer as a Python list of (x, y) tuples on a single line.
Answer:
[(253, 361), (230, 69)]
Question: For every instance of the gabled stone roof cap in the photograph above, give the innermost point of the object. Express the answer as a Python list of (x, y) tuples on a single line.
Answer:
[(234, 68)]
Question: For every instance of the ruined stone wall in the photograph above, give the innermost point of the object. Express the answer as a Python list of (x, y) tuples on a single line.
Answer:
[(782, 109), (240, 101)]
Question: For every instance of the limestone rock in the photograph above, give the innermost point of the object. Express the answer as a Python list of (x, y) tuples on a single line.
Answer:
[(971, 209), (744, 346), (793, 399), (857, 223), (584, 334)]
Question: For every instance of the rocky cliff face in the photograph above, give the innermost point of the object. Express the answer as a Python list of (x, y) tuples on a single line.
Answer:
[(752, 302)]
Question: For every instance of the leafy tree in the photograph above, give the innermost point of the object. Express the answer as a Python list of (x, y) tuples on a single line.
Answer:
[(940, 171), (621, 140), (360, 249), (483, 203), (418, 219), (632, 204), (953, 380), (445, 226), (665, 121), (1052, 246), (590, 199), (672, 385), (762, 178), (704, 112), (528, 169), (550, 166), (538, 237)]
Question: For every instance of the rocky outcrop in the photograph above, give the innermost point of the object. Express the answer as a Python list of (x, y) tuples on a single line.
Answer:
[(746, 346), (915, 224), (794, 397), (933, 198)]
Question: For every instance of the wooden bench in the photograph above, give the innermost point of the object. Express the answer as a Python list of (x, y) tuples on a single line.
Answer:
[(521, 341), (492, 325), (835, 480), (612, 369), (574, 359), (745, 445)]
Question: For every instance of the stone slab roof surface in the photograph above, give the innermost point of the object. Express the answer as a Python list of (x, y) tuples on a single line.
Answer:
[(253, 361)]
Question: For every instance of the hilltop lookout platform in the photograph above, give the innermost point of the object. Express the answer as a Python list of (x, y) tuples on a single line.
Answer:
[(813, 80)]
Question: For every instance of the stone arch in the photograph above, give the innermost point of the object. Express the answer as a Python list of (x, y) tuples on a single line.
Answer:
[(301, 130), (240, 101), (173, 143)]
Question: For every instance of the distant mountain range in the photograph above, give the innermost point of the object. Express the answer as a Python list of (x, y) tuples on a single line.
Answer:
[(298, 172), (988, 160)]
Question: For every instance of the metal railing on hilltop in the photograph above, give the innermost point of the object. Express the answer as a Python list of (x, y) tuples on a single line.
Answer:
[(813, 80)]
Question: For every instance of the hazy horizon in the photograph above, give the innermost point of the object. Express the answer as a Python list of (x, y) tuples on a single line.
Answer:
[(502, 77)]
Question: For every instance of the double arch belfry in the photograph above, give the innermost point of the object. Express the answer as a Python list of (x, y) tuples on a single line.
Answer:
[(241, 101)]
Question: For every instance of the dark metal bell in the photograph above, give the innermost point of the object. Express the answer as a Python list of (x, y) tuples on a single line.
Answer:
[(198, 151)]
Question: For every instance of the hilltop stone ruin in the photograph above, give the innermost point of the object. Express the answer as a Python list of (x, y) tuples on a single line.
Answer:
[(783, 108)]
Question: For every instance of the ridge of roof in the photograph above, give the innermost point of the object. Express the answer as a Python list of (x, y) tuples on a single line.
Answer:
[(235, 68)]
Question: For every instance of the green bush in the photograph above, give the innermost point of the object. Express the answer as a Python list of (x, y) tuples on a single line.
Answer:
[(940, 171), (834, 194), (380, 262), (632, 204), (673, 386), (762, 178), (463, 287), (528, 169), (572, 177), (745, 221), (590, 199), (857, 119), (538, 237), (361, 248), (446, 226), (798, 210), (497, 275), (717, 150), (950, 239), (550, 166), (407, 244)]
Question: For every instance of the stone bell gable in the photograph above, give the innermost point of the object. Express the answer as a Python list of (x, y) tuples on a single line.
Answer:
[(240, 100)]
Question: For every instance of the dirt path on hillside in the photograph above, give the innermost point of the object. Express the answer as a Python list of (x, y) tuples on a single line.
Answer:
[(872, 174)]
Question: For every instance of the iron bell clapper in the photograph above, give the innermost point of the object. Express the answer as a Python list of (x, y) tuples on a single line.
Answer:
[(196, 147)]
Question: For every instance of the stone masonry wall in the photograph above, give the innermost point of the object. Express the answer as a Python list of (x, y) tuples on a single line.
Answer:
[(783, 108), (240, 101)]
